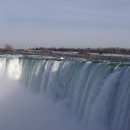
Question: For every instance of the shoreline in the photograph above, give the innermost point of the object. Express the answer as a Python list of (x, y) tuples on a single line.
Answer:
[(107, 58)]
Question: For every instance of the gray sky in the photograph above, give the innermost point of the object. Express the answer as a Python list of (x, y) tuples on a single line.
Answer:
[(65, 23)]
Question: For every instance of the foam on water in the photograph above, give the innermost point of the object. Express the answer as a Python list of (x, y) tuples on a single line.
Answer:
[(74, 93)]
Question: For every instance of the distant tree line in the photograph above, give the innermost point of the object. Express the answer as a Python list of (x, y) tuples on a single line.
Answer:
[(84, 51), (116, 50)]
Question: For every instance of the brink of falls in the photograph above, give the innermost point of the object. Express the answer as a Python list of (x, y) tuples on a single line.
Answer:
[(97, 94)]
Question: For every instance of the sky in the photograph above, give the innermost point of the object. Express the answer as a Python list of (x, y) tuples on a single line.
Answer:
[(65, 23)]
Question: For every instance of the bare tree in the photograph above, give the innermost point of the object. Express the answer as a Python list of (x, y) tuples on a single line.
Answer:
[(8, 47)]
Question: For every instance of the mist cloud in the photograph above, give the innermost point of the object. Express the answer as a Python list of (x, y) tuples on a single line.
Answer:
[(22, 110)]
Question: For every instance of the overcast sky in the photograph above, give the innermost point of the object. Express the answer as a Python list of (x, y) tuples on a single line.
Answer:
[(65, 23)]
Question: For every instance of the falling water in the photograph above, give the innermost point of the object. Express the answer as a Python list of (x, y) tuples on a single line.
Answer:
[(94, 95)]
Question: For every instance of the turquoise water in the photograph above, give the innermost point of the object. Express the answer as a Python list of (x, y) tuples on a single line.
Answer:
[(96, 94)]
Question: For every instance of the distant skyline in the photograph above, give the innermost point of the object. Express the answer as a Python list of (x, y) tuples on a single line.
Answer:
[(65, 23)]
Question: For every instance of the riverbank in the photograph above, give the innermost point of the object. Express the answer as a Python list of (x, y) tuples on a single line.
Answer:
[(60, 55)]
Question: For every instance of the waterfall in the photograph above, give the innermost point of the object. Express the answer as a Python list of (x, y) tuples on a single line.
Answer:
[(96, 93)]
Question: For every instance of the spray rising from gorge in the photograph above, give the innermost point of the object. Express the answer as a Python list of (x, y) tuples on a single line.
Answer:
[(73, 93)]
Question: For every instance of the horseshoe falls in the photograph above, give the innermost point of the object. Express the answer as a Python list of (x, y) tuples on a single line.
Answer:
[(69, 94)]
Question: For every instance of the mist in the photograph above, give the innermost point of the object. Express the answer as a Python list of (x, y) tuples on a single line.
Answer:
[(20, 109), (67, 95)]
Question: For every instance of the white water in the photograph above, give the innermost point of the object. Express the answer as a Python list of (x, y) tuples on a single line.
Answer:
[(23, 110), (59, 95)]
